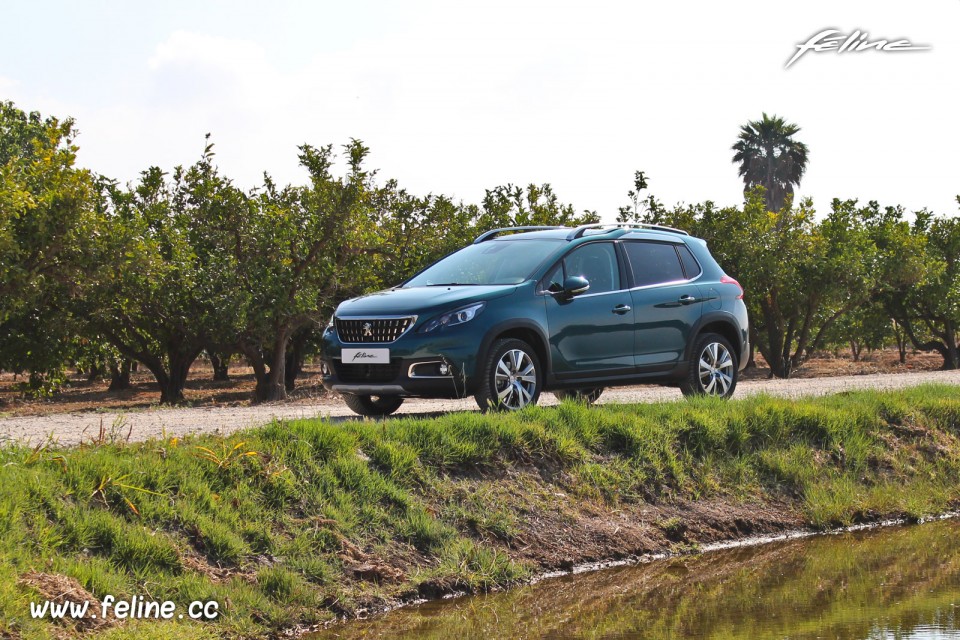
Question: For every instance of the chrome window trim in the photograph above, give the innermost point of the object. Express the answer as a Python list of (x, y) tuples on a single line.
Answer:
[(596, 295), (672, 283)]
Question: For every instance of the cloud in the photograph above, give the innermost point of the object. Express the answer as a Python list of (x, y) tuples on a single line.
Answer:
[(458, 97), (224, 54)]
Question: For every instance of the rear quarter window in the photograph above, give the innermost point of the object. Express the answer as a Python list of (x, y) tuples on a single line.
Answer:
[(690, 265)]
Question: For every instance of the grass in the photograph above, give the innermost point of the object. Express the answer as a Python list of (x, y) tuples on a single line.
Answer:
[(292, 524)]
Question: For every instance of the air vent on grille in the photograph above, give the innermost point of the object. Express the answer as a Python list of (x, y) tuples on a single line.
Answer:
[(367, 372), (372, 329)]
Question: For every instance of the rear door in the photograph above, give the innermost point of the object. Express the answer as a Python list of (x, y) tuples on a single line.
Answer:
[(591, 334), (667, 303)]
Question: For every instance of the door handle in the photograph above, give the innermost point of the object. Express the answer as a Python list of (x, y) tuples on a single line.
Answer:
[(687, 300), (621, 309)]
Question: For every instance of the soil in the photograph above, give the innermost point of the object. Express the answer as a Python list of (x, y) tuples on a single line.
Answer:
[(557, 533)]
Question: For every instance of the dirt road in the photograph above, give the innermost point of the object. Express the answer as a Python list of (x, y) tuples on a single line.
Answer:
[(73, 428)]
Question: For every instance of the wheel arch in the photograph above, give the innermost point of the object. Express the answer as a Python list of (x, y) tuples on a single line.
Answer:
[(528, 332), (719, 323)]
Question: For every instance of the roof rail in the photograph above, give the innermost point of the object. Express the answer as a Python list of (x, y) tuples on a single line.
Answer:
[(579, 231), (493, 233)]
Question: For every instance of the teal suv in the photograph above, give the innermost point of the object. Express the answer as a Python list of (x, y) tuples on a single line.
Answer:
[(524, 310)]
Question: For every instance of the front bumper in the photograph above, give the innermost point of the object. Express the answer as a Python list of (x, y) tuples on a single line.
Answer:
[(414, 369)]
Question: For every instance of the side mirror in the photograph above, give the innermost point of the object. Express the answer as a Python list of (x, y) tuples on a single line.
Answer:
[(575, 285)]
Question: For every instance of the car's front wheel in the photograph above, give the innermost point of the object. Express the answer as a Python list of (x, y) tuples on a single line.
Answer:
[(713, 368), (372, 406), (510, 378), (587, 395)]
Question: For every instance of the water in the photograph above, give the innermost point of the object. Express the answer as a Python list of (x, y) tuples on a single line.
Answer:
[(890, 583)]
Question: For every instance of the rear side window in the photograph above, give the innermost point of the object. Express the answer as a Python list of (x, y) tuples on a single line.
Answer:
[(653, 263), (690, 265)]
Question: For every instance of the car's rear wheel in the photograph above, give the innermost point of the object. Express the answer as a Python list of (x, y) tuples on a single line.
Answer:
[(713, 368), (589, 395), (372, 406), (510, 378)]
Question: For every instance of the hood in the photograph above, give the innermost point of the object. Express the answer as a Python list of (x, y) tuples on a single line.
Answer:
[(420, 301)]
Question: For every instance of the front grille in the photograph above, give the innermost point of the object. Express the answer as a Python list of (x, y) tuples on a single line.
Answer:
[(372, 330), (350, 372)]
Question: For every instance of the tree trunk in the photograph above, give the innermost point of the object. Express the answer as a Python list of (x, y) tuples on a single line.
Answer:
[(751, 360), (855, 348), (95, 373), (276, 381), (951, 355), (220, 366), (779, 365), (901, 339), (298, 351), (172, 384), (269, 367), (258, 361), (120, 375), (946, 346)]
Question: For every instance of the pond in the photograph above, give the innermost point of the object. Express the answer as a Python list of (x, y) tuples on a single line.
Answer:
[(893, 582)]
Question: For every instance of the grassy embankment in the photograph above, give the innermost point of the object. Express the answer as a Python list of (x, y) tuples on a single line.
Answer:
[(298, 522)]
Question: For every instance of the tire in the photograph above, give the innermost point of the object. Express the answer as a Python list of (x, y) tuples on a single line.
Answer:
[(713, 368), (510, 378), (372, 406), (589, 395)]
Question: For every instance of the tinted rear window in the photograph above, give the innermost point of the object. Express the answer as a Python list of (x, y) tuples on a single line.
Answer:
[(653, 263)]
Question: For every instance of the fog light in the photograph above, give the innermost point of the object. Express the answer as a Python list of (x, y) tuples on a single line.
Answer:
[(444, 369)]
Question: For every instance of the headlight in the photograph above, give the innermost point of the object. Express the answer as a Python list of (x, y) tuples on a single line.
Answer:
[(455, 317), (330, 324)]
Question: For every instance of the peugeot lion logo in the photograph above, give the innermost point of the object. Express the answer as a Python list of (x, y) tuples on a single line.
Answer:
[(367, 330)]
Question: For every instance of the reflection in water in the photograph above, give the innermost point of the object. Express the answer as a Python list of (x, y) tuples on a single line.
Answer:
[(893, 583)]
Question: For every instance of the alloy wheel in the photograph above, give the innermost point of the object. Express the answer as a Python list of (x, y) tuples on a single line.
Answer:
[(716, 369), (515, 379)]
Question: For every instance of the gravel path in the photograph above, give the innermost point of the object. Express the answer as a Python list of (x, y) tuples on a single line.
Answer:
[(73, 428)]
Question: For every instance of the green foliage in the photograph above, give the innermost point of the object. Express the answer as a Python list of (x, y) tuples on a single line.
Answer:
[(511, 205), (928, 310), (45, 221), (810, 283), (99, 275)]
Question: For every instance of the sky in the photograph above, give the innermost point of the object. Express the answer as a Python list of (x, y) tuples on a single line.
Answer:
[(458, 97)]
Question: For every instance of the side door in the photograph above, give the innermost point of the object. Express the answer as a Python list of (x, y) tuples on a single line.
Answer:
[(666, 301), (591, 334)]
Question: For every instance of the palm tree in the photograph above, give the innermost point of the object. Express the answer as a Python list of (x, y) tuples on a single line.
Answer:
[(769, 157)]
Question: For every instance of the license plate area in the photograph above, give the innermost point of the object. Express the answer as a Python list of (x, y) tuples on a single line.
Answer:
[(365, 356)]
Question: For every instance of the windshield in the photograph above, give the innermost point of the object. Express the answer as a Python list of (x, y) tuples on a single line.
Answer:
[(494, 262)]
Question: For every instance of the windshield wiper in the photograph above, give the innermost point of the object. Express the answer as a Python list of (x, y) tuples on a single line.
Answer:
[(452, 284)]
